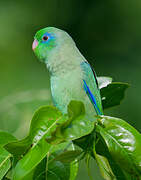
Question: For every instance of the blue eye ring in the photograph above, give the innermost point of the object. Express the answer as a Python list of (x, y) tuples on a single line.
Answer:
[(45, 38)]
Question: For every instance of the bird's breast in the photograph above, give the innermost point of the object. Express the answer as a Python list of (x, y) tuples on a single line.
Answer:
[(66, 88)]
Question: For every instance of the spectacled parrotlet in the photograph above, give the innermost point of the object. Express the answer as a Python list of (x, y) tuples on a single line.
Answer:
[(71, 76)]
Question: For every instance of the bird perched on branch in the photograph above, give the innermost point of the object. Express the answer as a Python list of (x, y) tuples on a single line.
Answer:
[(71, 76)]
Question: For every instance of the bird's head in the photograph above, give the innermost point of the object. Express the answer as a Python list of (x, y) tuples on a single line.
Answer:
[(48, 40)]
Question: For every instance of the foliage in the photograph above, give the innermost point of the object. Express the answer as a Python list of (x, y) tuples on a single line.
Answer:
[(56, 143)]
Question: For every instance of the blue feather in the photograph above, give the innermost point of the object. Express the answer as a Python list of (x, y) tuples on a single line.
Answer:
[(92, 98)]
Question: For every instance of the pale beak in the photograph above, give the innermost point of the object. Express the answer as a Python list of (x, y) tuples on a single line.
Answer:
[(35, 44)]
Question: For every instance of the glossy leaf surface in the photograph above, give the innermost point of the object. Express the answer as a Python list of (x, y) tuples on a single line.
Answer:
[(123, 142), (43, 123)]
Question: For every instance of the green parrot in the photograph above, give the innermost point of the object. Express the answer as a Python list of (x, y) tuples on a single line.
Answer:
[(71, 76)]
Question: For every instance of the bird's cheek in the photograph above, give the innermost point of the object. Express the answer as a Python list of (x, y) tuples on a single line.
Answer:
[(35, 44)]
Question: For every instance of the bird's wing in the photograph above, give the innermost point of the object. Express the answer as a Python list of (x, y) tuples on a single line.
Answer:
[(91, 86)]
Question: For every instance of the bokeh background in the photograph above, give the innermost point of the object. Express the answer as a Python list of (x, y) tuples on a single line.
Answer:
[(108, 33)]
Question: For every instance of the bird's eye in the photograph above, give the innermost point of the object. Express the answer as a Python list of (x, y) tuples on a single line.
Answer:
[(45, 38)]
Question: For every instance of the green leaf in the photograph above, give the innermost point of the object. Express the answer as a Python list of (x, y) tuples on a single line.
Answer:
[(6, 138), (113, 94), (52, 168), (43, 123), (104, 81), (46, 121), (19, 147), (49, 122), (29, 176), (5, 162), (86, 143), (68, 156), (108, 167), (123, 143), (74, 164), (73, 170), (105, 168), (103, 163), (79, 124), (40, 170), (76, 124), (59, 169)]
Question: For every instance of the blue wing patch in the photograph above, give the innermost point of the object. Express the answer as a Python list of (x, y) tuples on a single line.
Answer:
[(92, 98)]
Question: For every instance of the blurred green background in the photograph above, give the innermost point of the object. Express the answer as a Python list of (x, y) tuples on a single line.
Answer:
[(108, 33)]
